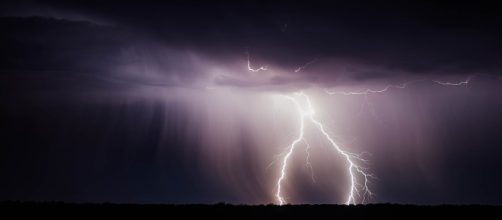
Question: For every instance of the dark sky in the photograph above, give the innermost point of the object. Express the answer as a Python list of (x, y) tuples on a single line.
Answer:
[(152, 102)]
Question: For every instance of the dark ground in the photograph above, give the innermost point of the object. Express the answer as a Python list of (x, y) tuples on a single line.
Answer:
[(224, 211)]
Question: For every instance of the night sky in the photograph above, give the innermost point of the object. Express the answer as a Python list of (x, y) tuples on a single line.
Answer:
[(142, 102)]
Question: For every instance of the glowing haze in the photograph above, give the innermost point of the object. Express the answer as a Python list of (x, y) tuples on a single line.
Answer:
[(301, 103)]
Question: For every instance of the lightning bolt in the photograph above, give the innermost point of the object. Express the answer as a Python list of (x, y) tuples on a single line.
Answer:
[(354, 169), (262, 68)]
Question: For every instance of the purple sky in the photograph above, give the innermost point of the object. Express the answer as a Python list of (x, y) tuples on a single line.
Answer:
[(140, 102)]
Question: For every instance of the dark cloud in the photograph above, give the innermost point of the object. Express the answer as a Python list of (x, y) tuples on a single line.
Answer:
[(418, 38), (396, 38), (40, 43)]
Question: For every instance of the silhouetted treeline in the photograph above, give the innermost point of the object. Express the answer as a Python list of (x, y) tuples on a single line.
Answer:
[(227, 211)]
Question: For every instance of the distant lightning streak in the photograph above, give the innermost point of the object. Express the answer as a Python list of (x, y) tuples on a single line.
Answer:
[(400, 86), (367, 92), (372, 91), (354, 170), (465, 82), (387, 88), (305, 65), (262, 68)]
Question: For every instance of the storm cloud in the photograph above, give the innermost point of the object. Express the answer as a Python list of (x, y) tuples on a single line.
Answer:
[(140, 102)]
